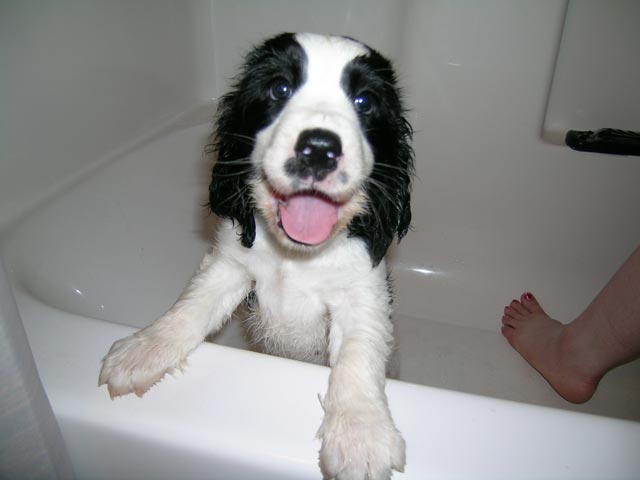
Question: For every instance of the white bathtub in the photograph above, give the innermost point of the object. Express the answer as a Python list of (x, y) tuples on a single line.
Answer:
[(113, 251), (102, 179)]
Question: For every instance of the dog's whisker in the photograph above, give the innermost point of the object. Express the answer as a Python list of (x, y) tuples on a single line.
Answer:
[(233, 199), (396, 180), (390, 84), (378, 165), (392, 184), (235, 174), (239, 161), (249, 140), (381, 188), (380, 70), (385, 192)]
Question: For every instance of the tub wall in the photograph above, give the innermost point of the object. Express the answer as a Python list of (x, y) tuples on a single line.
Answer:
[(85, 77), (496, 209)]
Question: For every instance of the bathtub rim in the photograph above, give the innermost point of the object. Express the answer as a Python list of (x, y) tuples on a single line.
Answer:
[(69, 373)]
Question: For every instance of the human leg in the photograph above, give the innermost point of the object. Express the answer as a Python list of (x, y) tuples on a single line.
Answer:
[(574, 357)]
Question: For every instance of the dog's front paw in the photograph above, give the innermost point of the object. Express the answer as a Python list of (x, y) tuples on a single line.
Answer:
[(360, 445), (136, 363)]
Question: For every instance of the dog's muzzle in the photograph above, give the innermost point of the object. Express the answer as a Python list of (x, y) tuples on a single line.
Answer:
[(308, 216)]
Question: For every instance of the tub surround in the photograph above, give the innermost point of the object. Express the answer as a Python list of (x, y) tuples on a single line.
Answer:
[(102, 182), (236, 415)]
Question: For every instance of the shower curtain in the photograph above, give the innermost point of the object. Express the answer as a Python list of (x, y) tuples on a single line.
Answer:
[(31, 444)]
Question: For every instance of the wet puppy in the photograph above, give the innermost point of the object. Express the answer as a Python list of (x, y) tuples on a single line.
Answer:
[(312, 183)]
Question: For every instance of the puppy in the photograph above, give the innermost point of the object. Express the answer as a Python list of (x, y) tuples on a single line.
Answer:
[(312, 183)]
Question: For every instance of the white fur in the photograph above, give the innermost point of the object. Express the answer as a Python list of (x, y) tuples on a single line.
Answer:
[(326, 304)]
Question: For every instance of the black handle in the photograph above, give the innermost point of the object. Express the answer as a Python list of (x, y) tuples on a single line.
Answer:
[(605, 140)]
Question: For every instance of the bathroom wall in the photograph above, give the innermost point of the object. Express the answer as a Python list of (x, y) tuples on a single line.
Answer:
[(496, 209), (82, 77)]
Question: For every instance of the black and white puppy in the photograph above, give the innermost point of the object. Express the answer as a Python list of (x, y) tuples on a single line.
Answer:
[(312, 183)]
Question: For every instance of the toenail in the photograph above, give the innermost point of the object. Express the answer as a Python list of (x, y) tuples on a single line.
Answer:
[(528, 296)]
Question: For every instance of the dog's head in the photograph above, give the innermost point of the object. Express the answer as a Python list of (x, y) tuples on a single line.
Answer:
[(313, 137)]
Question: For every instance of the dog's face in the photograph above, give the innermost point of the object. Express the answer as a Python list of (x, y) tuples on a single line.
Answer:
[(313, 138), (313, 157)]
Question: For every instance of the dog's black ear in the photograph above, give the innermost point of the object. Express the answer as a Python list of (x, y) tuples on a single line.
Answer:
[(241, 115), (229, 192), (388, 212)]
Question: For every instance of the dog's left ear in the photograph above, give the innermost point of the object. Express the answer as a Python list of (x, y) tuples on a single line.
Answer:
[(388, 213), (229, 192)]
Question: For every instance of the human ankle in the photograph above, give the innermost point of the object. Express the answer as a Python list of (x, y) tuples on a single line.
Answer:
[(583, 351)]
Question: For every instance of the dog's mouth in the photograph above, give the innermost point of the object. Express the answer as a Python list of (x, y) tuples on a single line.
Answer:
[(307, 217)]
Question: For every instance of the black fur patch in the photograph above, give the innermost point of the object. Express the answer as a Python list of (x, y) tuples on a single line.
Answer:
[(242, 113), (389, 134)]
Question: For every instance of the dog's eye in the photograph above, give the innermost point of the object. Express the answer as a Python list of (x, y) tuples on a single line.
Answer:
[(280, 89), (363, 103)]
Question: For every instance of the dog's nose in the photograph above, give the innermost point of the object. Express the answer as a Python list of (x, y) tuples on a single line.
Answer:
[(317, 154)]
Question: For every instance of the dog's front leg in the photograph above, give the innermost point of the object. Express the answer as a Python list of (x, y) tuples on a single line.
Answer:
[(359, 438), (137, 362)]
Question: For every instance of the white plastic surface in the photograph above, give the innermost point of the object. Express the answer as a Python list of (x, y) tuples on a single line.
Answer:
[(596, 82), (241, 415), (80, 79), (121, 245), (101, 250)]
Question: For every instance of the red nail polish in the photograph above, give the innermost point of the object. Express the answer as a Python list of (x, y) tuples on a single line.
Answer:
[(528, 296)]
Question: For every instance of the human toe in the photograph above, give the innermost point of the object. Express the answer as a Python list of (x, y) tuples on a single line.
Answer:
[(509, 333), (516, 309), (509, 321), (530, 303)]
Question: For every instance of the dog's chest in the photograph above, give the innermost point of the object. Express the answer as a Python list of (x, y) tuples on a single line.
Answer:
[(289, 309)]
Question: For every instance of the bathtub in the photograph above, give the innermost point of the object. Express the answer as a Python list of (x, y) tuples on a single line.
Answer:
[(112, 251), (102, 187)]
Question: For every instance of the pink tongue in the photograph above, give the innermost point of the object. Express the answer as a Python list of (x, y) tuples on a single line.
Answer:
[(308, 218)]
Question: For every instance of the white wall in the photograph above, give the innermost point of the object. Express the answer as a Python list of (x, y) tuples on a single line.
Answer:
[(237, 25), (81, 77)]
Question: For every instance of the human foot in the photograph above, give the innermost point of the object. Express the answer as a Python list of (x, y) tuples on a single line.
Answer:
[(550, 347)]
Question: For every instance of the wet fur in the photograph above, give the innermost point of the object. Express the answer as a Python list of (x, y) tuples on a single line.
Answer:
[(330, 303)]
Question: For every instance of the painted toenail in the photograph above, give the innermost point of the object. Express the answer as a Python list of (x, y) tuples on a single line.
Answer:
[(528, 296)]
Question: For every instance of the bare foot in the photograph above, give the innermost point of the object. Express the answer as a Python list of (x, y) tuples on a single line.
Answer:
[(552, 348)]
